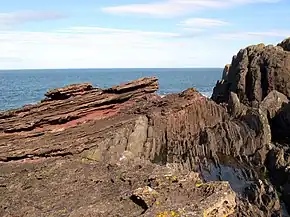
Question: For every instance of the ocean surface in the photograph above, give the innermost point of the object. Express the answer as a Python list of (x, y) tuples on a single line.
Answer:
[(22, 87)]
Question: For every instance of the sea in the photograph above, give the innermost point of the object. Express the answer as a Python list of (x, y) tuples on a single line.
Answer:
[(22, 87)]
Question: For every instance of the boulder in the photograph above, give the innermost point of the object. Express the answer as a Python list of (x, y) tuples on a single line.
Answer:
[(273, 103)]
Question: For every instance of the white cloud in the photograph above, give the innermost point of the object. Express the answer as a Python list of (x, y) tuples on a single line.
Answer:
[(98, 30), (86, 47), (177, 7), (253, 35), (202, 22), (15, 18), (95, 47)]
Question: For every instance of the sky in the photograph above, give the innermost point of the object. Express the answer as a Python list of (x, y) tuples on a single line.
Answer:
[(135, 33)]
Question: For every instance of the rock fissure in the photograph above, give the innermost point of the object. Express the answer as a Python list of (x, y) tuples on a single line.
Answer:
[(50, 154)]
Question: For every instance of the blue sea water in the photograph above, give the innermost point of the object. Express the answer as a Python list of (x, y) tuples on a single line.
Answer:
[(21, 87)]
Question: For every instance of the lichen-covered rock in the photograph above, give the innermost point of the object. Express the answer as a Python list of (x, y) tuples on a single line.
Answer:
[(184, 194)]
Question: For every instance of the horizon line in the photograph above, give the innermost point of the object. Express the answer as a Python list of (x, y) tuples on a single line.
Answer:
[(106, 68)]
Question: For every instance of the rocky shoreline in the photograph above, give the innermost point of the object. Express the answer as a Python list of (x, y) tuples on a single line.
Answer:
[(125, 151)]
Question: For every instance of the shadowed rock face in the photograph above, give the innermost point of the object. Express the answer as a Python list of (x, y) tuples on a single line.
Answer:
[(255, 71), (259, 79)]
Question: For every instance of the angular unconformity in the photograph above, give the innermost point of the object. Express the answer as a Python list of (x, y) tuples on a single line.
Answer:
[(101, 166), (74, 105)]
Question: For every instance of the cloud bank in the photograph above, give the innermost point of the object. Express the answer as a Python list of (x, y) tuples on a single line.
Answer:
[(97, 47), (203, 22), (177, 7), (16, 18)]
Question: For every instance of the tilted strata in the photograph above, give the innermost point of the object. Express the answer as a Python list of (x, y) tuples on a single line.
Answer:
[(125, 151)]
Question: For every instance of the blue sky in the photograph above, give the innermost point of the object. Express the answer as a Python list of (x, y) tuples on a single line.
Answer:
[(127, 33)]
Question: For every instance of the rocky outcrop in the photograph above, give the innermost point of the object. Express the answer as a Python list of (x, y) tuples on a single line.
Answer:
[(164, 197), (226, 72), (60, 110), (258, 81), (103, 162), (278, 162), (100, 165), (255, 71), (277, 107), (77, 187), (125, 151), (259, 77), (68, 91), (285, 44), (273, 103)]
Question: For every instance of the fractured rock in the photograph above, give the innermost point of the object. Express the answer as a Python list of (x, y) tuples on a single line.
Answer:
[(68, 91), (124, 144), (273, 103), (255, 71)]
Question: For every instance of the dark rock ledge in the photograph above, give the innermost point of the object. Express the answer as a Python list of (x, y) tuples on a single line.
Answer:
[(125, 151)]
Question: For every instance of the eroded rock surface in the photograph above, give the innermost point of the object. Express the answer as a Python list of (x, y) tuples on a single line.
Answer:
[(104, 164), (118, 156), (68, 91), (75, 104), (258, 80), (254, 72)]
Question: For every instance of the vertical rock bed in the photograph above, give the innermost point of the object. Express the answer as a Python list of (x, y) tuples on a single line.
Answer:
[(125, 151)]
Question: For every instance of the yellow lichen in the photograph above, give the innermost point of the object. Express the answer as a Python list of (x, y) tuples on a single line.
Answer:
[(171, 213), (198, 185), (174, 178)]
